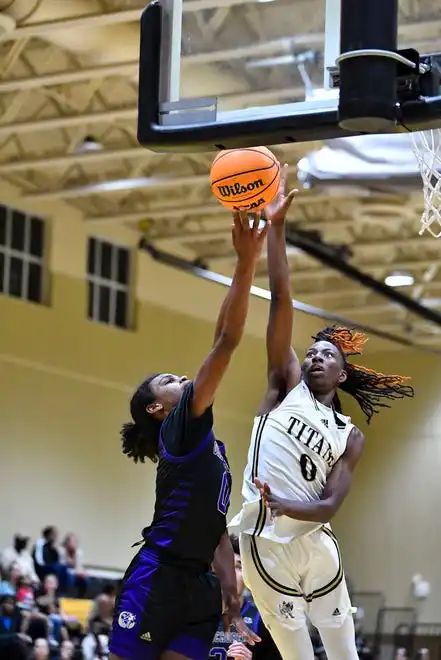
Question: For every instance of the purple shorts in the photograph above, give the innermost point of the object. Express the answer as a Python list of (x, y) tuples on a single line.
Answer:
[(164, 607)]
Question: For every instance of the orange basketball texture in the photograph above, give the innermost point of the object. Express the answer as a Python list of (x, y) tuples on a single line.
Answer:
[(245, 178)]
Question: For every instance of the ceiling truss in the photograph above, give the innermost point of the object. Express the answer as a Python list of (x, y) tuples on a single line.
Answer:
[(57, 90)]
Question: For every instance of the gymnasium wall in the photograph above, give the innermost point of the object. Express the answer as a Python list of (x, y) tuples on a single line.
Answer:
[(390, 527)]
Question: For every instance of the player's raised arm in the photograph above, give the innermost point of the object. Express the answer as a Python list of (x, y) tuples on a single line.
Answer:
[(248, 242), (283, 365)]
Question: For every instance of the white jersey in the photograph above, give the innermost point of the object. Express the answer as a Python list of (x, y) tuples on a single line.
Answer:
[(293, 448)]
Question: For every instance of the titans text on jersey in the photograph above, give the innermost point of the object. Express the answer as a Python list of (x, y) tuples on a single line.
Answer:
[(311, 438)]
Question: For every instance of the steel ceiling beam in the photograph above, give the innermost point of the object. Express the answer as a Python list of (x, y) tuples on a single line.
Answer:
[(103, 19), (182, 264), (77, 158), (67, 121), (282, 45), (322, 254)]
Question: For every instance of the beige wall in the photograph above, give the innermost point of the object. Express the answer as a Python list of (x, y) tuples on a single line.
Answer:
[(390, 526)]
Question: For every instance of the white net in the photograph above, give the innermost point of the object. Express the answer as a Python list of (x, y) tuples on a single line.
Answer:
[(427, 149)]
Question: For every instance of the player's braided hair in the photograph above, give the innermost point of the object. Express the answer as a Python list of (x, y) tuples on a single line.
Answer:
[(140, 438), (368, 387)]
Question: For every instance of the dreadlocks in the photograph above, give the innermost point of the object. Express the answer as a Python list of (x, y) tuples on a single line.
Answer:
[(368, 387)]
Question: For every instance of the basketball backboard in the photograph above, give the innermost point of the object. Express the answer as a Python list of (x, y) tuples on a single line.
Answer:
[(229, 73)]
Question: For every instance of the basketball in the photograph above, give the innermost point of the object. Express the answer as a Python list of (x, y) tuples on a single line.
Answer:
[(245, 178)]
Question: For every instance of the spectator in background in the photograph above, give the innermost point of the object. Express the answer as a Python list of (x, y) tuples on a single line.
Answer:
[(10, 617), (41, 649), (100, 607), (12, 647), (46, 555), (67, 650), (95, 645), (49, 605), (34, 624), (18, 553), (9, 586), (104, 612), (71, 556), (25, 596)]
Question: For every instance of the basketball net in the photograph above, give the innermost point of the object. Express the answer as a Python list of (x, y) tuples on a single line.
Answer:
[(427, 149)]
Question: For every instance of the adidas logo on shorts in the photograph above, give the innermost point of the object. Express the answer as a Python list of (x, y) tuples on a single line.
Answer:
[(336, 612), (146, 637)]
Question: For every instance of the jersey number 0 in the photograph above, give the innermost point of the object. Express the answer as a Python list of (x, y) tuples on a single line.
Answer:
[(308, 468)]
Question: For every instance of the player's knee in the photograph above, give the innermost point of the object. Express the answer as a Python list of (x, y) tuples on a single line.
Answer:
[(339, 639)]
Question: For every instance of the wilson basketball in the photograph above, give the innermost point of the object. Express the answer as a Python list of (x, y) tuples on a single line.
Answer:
[(245, 178)]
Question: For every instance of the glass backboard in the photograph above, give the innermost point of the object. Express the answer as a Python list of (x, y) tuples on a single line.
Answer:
[(223, 73)]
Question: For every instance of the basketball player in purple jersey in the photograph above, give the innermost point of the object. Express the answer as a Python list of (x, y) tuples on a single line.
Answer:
[(170, 602)]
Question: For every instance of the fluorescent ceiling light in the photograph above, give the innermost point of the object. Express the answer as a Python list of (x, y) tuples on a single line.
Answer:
[(118, 184), (399, 279), (264, 1), (320, 94)]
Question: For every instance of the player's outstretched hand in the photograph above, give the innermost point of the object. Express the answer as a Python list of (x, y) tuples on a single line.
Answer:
[(231, 617), (239, 651), (277, 210), (248, 238), (276, 505)]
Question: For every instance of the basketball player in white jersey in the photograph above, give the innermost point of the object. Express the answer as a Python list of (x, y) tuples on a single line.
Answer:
[(300, 464)]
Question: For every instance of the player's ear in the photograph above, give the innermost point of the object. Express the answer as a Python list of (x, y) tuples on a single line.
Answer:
[(343, 376), (154, 408)]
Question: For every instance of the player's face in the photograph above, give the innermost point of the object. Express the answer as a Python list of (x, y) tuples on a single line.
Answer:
[(239, 574), (323, 367), (168, 389)]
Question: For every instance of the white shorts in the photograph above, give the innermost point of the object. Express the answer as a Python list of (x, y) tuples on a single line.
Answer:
[(293, 581)]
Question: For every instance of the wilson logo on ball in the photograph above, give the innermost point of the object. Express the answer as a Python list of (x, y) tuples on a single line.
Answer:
[(237, 189)]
